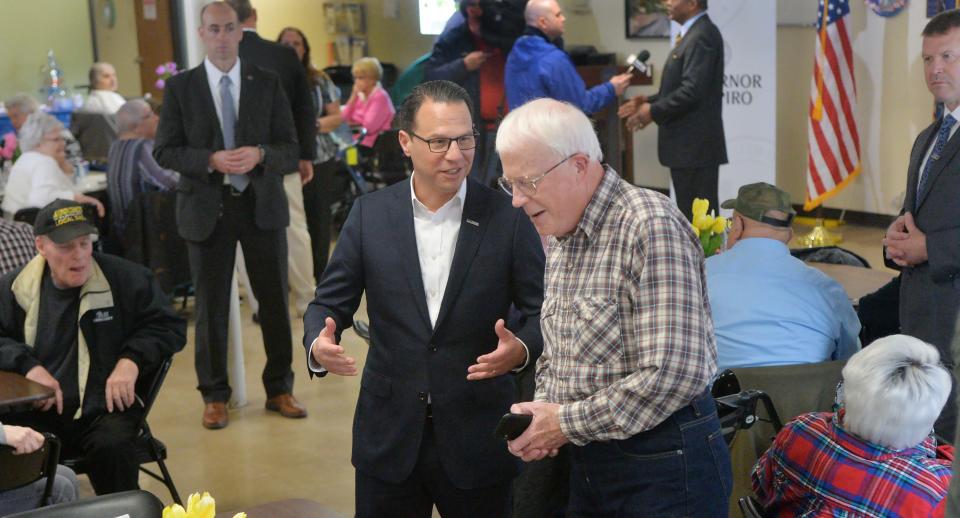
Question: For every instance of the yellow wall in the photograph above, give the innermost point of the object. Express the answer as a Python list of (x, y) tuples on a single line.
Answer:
[(29, 30), (117, 45), (306, 15)]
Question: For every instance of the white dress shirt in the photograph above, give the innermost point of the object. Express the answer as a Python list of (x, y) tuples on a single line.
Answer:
[(35, 180), (213, 79), (436, 241)]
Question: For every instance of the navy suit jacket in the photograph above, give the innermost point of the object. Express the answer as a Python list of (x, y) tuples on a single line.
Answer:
[(498, 261), (688, 109)]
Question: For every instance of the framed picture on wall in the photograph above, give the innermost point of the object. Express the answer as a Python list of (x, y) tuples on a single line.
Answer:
[(935, 7), (646, 19)]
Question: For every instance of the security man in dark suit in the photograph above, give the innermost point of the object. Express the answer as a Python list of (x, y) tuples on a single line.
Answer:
[(687, 109), (226, 127), (924, 240), (441, 259)]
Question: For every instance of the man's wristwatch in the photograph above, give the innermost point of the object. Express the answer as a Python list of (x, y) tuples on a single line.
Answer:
[(263, 154)]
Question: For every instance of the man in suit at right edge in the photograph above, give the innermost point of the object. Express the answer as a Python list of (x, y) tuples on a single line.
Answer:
[(924, 241), (441, 259), (687, 109)]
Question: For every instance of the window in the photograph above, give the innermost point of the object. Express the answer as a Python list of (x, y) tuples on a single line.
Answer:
[(434, 15)]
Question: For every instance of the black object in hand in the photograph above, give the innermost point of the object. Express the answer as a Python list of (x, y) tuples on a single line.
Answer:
[(512, 425)]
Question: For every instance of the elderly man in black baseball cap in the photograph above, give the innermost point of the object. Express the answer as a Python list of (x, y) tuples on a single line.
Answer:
[(86, 325), (768, 307)]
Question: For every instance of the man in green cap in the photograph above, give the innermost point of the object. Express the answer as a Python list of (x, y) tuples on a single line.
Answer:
[(88, 326), (769, 308)]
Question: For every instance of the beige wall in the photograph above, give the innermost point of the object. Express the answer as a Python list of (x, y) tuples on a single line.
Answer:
[(30, 28), (306, 15), (117, 45)]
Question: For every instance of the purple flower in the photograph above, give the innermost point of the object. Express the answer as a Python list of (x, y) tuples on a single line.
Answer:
[(161, 69), (171, 67), (160, 84)]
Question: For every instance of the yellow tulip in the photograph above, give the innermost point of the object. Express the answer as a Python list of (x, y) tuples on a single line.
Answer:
[(720, 225), (240, 515), (192, 502), (700, 207), (703, 221), (174, 511), (206, 507), (695, 229)]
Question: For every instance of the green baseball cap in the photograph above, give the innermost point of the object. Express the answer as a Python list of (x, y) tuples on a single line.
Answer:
[(756, 199)]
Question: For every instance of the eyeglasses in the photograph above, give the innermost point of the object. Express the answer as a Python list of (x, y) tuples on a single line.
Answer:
[(58, 138), (441, 145), (527, 186)]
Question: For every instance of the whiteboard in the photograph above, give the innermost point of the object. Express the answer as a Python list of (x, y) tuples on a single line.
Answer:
[(797, 12)]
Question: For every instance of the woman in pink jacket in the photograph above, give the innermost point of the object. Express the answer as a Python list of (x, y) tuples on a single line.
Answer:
[(369, 104)]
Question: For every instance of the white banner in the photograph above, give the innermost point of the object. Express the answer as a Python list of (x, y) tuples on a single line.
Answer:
[(749, 29)]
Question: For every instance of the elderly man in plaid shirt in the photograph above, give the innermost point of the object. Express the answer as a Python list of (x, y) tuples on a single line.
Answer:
[(629, 351)]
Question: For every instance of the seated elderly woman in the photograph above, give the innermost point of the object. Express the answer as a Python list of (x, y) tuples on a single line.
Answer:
[(369, 104), (877, 455), (36, 178)]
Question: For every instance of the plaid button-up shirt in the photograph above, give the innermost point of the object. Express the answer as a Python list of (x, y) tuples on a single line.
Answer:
[(16, 245), (628, 338), (816, 468)]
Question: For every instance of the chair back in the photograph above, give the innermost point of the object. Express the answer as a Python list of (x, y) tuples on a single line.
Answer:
[(794, 390), (135, 504), (20, 470), (95, 132), (390, 164), (829, 255), (149, 387), (26, 215), (151, 238)]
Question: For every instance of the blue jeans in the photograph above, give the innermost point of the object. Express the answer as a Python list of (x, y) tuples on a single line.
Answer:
[(679, 468)]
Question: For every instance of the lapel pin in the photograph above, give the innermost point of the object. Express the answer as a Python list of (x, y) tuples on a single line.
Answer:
[(472, 222)]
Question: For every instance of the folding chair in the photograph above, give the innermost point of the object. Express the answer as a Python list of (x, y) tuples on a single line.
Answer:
[(19, 470), (148, 448), (133, 504), (751, 508)]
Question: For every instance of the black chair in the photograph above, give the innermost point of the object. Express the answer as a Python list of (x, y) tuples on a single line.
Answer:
[(385, 163), (148, 448), (829, 255), (20, 470), (26, 215), (151, 239), (135, 504)]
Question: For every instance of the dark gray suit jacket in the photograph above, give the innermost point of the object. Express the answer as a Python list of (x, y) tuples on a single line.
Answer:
[(687, 109), (498, 261), (189, 132), (283, 61), (930, 292)]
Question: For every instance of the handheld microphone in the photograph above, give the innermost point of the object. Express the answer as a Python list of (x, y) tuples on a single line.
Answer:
[(638, 62)]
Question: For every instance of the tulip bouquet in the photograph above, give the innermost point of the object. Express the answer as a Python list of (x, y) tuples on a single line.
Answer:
[(165, 72), (709, 228), (198, 506)]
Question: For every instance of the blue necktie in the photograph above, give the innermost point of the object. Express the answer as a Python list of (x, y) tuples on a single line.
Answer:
[(942, 136), (238, 181)]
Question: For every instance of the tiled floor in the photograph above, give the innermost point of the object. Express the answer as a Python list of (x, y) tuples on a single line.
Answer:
[(262, 457)]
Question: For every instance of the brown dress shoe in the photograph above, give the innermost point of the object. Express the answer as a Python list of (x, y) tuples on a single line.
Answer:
[(215, 416), (287, 405)]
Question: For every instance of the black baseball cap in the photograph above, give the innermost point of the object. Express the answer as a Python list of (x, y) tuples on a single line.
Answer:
[(63, 220)]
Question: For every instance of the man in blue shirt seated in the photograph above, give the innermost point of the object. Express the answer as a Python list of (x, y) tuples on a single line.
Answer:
[(769, 308)]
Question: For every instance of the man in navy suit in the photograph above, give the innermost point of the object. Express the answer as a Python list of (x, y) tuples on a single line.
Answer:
[(441, 258)]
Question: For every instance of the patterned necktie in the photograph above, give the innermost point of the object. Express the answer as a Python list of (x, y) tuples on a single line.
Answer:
[(942, 136), (238, 181)]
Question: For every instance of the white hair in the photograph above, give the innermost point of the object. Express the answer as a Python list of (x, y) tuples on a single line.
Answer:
[(21, 102), (38, 124), (131, 114), (894, 390), (558, 125)]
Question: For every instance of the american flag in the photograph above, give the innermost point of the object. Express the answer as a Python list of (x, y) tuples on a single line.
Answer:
[(834, 143)]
